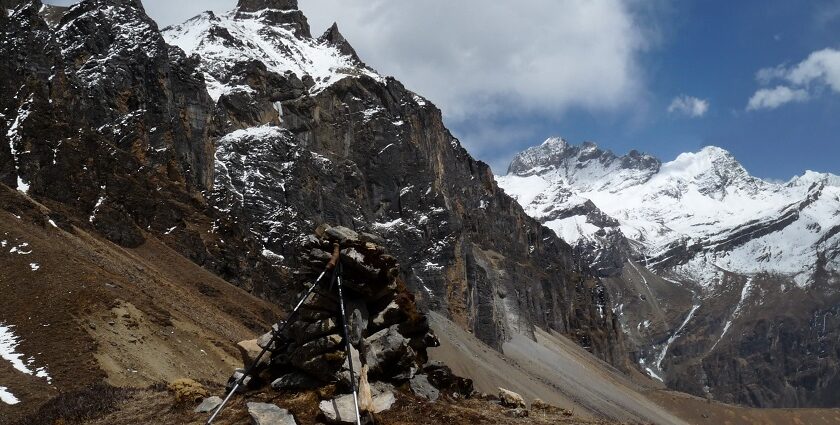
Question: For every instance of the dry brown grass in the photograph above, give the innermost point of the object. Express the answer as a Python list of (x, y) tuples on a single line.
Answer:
[(78, 406)]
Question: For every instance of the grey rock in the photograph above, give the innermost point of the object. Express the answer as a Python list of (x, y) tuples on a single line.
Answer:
[(208, 404), (511, 399), (343, 234), (237, 375), (269, 414), (339, 410), (387, 353), (421, 386), (344, 372), (357, 319), (519, 412), (343, 409)]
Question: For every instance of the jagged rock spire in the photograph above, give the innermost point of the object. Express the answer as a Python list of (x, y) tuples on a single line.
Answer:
[(334, 37), (277, 12), (255, 5)]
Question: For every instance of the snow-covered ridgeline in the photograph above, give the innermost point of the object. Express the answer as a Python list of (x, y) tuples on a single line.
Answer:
[(252, 38), (749, 225)]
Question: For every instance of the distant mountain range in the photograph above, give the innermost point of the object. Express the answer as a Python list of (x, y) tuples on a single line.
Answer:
[(704, 225)]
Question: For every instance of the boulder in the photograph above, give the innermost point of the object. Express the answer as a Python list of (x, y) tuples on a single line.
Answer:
[(343, 409), (343, 234), (303, 332), (383, 401), (339, 410), (209, 404), (441, 376), (269, 414), (421, 386), (357, 261), (318, 346), (324, 366), (249, 350), (388, 353), (511, 399)]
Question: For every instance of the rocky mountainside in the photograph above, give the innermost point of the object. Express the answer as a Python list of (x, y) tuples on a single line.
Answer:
[(229, 138), (705, 262), (312, 135)]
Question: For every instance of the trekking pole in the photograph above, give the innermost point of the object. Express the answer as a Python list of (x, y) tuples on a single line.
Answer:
[(330, 266), (347, 347)]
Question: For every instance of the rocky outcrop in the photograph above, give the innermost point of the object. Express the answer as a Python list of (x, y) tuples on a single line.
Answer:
[(311, 351), (312, 347)]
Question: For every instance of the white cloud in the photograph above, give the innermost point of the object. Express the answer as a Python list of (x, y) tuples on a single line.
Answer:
[(819, 70), (775, 97), (479, 58), (689, 105), (821, 67)]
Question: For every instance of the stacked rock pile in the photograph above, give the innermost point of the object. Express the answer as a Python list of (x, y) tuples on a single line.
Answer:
[(388, 335)]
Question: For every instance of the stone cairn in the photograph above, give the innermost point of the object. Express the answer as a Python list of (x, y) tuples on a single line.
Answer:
[(388, 334)]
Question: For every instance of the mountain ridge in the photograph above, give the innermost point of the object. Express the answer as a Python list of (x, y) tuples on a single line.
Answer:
[(681, 250)]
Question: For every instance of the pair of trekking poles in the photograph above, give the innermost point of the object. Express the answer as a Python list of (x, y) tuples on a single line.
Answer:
[(334, 265)]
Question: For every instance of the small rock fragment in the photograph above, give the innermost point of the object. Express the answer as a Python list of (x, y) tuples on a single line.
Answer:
[(269, 414), (209, 404)]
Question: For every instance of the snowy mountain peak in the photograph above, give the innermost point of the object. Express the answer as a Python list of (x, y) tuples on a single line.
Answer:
[(277, 38), (585, 165), (713, 171), (702, 209), (333, 37), (810, 178)]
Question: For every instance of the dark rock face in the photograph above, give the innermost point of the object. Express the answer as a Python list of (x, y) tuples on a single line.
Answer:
[(256, 5), (106, 124), (780, 348), (278, 12), (468, 249)]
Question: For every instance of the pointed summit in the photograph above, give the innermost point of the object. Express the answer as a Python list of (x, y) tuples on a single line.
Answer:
[(334, 38)]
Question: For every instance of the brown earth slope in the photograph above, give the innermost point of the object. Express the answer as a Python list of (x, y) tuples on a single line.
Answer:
[(94, 311)]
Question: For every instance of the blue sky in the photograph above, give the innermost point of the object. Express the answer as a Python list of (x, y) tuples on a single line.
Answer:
[(507, 75), (713, 50)]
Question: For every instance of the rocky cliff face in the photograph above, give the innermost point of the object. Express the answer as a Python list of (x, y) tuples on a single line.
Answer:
[(332, 141), (704, 262), (231, 137)]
